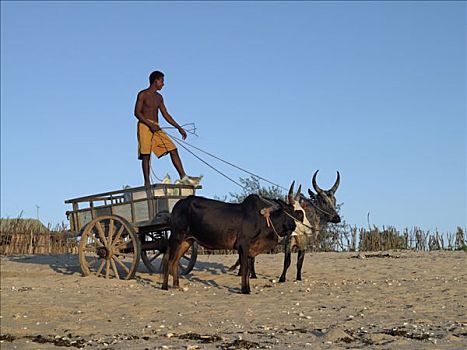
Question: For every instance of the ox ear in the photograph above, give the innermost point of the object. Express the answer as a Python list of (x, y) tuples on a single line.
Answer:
[(312, 195)]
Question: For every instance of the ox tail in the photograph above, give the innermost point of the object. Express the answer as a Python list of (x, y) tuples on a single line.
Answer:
[(234, 266)]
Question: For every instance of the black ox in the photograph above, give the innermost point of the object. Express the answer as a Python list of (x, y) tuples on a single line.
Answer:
[(251, 227)]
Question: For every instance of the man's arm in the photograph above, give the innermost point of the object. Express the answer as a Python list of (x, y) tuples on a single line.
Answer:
[(171, 120), (139, 113)]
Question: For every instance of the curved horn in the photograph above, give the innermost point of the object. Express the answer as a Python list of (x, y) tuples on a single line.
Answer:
[(297, 195), (336, 184), (290, 195), (315, 185)]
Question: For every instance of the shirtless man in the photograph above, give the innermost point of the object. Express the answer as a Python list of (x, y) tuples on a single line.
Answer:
[(150, 135)]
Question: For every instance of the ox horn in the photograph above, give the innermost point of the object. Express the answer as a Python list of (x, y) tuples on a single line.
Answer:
[(297, 195), (290, 195), (315, 185), (336, 184)]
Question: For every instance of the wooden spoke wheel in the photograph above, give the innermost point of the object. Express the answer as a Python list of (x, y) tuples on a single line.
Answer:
[(152, 257), (158, 243), (109, 247), (188, 260)]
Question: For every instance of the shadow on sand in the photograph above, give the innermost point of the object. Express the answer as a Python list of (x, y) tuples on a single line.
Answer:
[(65, 264), (68, 264)]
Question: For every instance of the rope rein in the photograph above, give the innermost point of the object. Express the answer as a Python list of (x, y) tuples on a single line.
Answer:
[(311, 228), (267, 216), (179, 141), (209, 165), (321, 210), (184, 144), (191, 130)]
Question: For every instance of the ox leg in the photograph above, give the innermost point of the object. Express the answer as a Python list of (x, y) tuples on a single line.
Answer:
[(251, 262), (169, 256), (244, 268), (287, 259), (165, 270), (300, 258), (182, 248)]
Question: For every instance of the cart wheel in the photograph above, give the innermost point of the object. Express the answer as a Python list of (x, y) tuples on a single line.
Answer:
[(152, 259), (109, 247), (188, 260)]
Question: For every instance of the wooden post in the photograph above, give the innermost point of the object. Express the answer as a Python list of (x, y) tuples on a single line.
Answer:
[(76, 217), (133, 219), (93, 214), (150, 198)]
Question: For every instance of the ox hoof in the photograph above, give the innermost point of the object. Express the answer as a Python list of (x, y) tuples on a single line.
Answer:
[(282, 280), (165, 287), (245, 291), (253, 276)]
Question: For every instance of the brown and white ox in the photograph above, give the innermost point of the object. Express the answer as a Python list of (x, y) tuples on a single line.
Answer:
[(320, 209), (317, 211)]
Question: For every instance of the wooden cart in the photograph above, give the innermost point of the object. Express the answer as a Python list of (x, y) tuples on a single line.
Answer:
[(116, 228)]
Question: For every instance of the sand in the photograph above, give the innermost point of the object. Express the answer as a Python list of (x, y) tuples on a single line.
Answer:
[(390, 300)]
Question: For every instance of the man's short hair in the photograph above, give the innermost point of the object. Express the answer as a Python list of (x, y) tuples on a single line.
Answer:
[(154, 76)]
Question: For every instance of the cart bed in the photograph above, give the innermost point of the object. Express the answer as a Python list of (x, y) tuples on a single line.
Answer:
[(138, 205)]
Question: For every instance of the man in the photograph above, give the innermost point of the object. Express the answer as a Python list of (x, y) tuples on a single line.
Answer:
[(150, 135)]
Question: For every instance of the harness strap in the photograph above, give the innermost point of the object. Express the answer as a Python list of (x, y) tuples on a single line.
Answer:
[(266, 212), (267, 215), (267, 201), (311, 228), (321, 210)]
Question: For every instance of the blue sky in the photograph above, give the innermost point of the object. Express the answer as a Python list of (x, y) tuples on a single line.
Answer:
[(376, 90)]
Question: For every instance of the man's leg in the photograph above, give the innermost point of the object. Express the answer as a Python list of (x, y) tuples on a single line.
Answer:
[(177, 163), (145, 161)]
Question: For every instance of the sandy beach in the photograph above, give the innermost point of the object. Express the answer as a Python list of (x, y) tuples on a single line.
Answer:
[(388, 300)]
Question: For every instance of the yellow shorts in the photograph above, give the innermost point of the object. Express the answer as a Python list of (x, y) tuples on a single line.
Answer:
[(157, 142)]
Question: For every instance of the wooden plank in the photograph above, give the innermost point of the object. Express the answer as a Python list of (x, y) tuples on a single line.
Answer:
[(153, 202), (100, 196)]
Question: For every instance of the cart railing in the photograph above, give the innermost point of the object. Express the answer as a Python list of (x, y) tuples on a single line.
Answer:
[(138, 205)]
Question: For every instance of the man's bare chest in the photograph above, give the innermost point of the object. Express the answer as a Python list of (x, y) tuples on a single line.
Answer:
[(152, 102)]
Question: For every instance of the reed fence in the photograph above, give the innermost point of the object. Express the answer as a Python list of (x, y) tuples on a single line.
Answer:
[(28, 236)]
